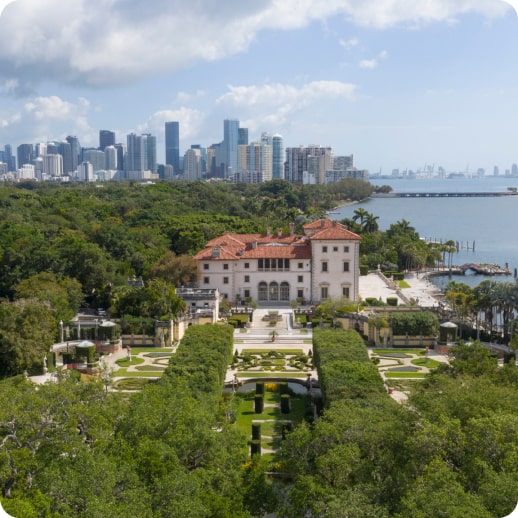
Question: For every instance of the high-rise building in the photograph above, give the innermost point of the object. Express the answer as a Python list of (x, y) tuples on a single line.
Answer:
[(65, 150), (40, 149), (296, 167), (26, 172), (172, 145), (95, 157), (256, 158), (277, 157), (121, 153), (110, 158), (141, 155), (9, 158), (85, 172), (106, 138), (75, 147), (25, 154), (192, 164), (342, 163), (242, 137), (150, 152), (53, 165), (230, 145), (136, 153)]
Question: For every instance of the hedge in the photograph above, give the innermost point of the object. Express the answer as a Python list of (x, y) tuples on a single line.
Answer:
[(343, 365)]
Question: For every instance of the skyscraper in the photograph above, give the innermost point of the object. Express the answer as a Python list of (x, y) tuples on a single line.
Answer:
[(230, 143), (136, 153), (110, 158), (25, 154), (150, 153), (277, 157), (65, 150), (297, 162), (75, 147), (106, 138), (242, 137), (172, 145)]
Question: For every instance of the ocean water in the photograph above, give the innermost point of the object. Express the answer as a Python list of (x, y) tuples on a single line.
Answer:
[(490, 224)]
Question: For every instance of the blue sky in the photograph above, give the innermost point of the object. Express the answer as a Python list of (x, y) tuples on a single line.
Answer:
[(397, 83)]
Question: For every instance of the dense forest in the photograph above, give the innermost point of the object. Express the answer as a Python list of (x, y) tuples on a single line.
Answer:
[(73, 449)]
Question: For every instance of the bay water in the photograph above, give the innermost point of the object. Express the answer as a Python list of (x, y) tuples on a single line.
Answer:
[(487, 223)]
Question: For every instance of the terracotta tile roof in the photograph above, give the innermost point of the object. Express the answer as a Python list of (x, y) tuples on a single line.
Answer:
[(232, 247), (327, 229)]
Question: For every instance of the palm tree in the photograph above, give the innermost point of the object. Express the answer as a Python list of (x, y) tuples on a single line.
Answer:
[(359, 214), (370, 223)]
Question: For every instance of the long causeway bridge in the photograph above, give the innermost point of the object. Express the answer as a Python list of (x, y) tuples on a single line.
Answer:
[(443, 194)]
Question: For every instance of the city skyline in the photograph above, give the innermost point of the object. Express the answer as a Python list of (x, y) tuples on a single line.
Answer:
[(396, 85)]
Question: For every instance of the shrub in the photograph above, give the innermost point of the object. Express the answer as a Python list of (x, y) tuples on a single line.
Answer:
[(364, 269), (392, 301)]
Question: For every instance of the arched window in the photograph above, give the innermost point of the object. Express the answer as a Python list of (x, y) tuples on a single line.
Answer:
[(263, 291), (274, 291), (285, 291)]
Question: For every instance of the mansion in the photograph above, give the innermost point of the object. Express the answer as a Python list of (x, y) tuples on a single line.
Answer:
[(275, 268)]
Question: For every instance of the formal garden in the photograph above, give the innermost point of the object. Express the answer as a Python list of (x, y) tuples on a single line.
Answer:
[(268, 413), (272, 361), (143, 364)]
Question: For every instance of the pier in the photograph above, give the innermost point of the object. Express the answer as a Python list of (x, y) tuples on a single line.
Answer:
[(479, 269), (443, 194)]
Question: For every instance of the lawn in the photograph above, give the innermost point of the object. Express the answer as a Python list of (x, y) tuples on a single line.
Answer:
[(405, 374), (283, 352), (271, 374), (131, 383), (271, 418), (423, 362), (123, 362), (123, 373)]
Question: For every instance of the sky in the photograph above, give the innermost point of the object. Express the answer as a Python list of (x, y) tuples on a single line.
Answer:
[(397, 83)]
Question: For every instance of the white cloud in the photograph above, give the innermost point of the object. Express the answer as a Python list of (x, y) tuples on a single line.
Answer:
[(191, 121), (106, 42), (348, 44), (373, 63), (42, 118), (273, 105)]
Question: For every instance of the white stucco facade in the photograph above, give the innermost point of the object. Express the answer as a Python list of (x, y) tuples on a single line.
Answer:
[(275, 268)]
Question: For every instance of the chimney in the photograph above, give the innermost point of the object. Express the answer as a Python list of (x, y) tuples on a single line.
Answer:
[(292, 229), (215, 252), (254, 245), (334, 223), (268, 231), (322, 223), (279, 232)]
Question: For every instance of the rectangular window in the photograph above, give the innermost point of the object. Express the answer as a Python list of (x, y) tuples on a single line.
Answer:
[(346, 249), (247, 265), (335, 249), (225, 280), (346, 266), (345, 292), (300, 294), (261, 264), (300, 266), (247, 278), (323, 292), (247, 294), (205, 266), (225, 266), (205, 280), (324, 249), (324, 266), (300, 278)]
